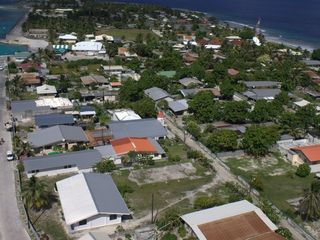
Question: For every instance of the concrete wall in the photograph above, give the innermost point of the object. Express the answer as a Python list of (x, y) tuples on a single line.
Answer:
[(96, 221)]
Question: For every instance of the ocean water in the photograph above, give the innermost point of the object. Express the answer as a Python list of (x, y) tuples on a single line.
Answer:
[(9, 16), (291, 21)]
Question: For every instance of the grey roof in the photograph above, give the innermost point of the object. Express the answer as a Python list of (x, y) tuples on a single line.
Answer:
[(148, 127), (156, 93), (48, 120), (105, 193), (56, 134), (157, 146), (187, 81), (311, 62), (106, 151), (82, 159), (100, 79), (179, 105), (254, 84), (257, 94), (22, 106)]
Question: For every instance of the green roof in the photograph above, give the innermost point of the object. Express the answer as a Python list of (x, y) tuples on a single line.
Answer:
[(168, 74), (22, 54)]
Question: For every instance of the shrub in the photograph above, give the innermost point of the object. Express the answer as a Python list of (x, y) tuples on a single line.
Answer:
[(191, 154), (303, 170), (105, 166), (207, 202), (174, 158), (266, 207), (182, 231), (257, 183), (169, 236), (284, 232)]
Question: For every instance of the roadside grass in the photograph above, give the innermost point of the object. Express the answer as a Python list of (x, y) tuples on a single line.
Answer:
[(128, 34), (175, 148), (279, 180), (49, 221), (139, 200)]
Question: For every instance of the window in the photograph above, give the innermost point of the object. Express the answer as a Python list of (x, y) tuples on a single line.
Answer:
[(113, 217), (83, 222)]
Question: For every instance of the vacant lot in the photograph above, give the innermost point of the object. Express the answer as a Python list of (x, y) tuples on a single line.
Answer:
[(165, 192), (278, 177), (163, 174), (127, 34)]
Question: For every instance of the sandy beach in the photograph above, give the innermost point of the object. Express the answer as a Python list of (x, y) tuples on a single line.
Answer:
[(16, 37)]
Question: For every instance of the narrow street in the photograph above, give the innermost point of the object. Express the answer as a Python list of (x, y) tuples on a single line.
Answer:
[(11, 227)]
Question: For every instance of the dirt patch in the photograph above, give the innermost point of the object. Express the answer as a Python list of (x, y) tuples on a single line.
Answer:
[(162, 174)]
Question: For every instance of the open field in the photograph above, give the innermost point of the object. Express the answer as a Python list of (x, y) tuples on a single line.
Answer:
[(278, 176), (128, 34), (139, 199)]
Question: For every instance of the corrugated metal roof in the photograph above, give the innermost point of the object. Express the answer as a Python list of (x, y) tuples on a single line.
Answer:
[(89, 194), (156, 93), (81, 159), (148, 127), (48, 120)]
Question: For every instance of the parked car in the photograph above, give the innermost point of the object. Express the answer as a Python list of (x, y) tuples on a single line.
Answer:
[(10, 156)]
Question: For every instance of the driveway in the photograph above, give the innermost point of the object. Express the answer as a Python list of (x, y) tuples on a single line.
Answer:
[(11, 227)]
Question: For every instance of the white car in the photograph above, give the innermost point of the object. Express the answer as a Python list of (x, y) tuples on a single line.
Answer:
[(9, 155)]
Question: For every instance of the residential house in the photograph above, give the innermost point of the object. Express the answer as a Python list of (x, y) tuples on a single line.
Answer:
[(178, 107), (91, 200), (124, 115), (187, 93), (94, 79), (113, 69), (190, 57), (262, 84), (24, 110), (186, 82), (30, 80), (88, 47), (124, 52), (38, 33), (64, 136), (214, 44), (46, 91), (307, 154), (98, 137), (55, 103), (98, 95), (312, 63), (68, 38), (156, 93), (257, 94), (234, 221), (49, 120), (232, 72), (51, 165), (142, 146), (149, 127)]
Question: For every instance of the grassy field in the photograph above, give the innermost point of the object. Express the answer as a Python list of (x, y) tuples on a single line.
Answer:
[(63, 69), (139, 200), (279, 180), (128, 34)]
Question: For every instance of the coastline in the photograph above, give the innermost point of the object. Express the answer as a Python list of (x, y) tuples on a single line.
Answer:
[(16, 37)]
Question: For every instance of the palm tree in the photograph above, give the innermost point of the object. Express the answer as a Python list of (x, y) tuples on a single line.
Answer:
[(310, 204), (35, 194)]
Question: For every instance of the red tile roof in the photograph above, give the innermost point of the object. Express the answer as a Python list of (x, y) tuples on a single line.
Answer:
[(115, 84), (312, 153), (233, 72), (130, 144)]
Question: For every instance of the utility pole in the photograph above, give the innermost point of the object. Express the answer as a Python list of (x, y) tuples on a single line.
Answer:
[(152, 207)]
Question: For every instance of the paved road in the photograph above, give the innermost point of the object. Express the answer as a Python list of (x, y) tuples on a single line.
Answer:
[(11, 227)]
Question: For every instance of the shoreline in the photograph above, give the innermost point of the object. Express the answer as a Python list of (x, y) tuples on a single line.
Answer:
[(16, 37)]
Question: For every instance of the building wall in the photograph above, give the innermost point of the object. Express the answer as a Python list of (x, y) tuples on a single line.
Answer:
[(53, 172), (94, 222)]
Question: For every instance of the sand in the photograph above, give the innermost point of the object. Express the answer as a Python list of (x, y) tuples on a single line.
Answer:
[(16, 37)]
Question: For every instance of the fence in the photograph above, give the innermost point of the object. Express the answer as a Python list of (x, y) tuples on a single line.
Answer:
[(22, 208)]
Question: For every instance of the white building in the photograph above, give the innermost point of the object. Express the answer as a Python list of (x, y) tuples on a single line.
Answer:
[(46, 90), (88, 46), (68, 38), (91, 200), (124, 115)]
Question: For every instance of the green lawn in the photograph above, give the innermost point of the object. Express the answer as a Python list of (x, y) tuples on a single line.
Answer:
[(279, 180), (175, 148), (164, 192), (128, 34)]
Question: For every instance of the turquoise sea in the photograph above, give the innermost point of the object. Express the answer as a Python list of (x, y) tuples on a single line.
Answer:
[(9, 16)]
